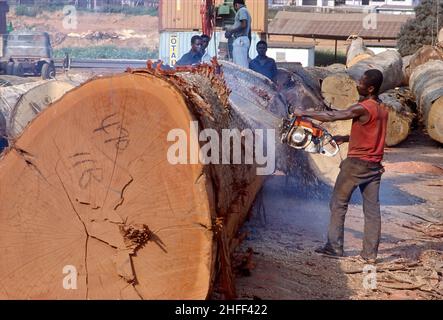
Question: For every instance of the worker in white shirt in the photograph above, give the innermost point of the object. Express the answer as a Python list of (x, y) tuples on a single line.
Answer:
[(240, 31)]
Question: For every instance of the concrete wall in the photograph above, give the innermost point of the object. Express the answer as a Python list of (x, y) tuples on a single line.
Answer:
[(306, 56)]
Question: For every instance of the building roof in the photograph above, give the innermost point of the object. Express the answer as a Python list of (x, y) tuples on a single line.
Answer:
[(336, 25)]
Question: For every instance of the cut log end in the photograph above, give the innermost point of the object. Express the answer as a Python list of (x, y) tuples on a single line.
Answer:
[(85, 172), (435, 120), (340, 91), (398, 128)]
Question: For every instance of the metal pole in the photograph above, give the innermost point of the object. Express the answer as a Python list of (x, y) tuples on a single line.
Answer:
[(335, 54)]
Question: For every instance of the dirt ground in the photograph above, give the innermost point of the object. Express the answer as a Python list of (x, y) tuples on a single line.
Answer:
[(93, 29), (283, 264)]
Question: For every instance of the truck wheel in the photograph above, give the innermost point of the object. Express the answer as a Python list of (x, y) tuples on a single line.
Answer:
[(17, 70), (10, 68), (48, 71)]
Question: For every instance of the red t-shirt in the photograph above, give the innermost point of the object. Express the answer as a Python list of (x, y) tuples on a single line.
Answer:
[(367, 140)]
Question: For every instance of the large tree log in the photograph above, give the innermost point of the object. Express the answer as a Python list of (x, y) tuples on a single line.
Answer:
[(340, 89), (405, 62), (357, 52), (400, 104), (101, 195), (297, 93), (261, 104), (34, 101), (426, 83), (388, 62), (7, 80), (21, 103), (10, 95), (423, 55)]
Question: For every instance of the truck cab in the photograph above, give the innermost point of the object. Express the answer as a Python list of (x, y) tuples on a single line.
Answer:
[(29, 53)]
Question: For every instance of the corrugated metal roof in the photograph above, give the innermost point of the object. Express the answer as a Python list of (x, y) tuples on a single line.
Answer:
[(336, 25)]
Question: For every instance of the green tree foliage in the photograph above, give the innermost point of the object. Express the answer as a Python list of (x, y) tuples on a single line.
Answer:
[(423, 29)]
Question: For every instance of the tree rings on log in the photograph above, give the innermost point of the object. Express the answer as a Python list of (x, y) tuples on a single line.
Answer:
[(87, 191), (340, 91)]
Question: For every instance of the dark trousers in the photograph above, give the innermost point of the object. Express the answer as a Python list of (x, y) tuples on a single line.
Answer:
[(366, 175)]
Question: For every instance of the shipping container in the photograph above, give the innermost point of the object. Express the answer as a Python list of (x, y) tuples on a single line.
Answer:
[(176, 15), (173, 44)]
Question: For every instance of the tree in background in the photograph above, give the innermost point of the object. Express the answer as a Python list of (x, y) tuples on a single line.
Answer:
[(423, 29)]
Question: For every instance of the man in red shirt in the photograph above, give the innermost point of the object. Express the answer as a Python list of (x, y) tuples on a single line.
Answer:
[(362, 168)]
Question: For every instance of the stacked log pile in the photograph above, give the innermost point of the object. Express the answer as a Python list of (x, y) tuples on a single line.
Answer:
[(357, 51), (426, 83), (401, 105), (423, 55)]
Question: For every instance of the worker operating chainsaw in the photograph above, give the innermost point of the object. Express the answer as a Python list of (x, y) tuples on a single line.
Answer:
[(362, 168)]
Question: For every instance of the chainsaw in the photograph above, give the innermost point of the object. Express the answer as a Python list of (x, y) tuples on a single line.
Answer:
[(302, 133)]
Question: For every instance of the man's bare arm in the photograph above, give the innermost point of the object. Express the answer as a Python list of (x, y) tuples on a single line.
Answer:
[(341, 139), (355, 111)]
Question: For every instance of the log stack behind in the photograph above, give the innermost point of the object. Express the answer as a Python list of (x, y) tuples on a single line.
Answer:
[(357, 52), (426, 83), (340, 89)]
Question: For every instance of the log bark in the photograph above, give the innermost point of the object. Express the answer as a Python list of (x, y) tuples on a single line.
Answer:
[(423, 55), (262, 105), (405, 62), (7, 80), (426, 83), (400, 104), (340, 89), (357, 52)]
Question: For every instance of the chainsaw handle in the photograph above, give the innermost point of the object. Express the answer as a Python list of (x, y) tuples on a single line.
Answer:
[(334, 144)]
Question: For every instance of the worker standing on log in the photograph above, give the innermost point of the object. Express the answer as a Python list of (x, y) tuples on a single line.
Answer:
[(362, 168), (240, 31)]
